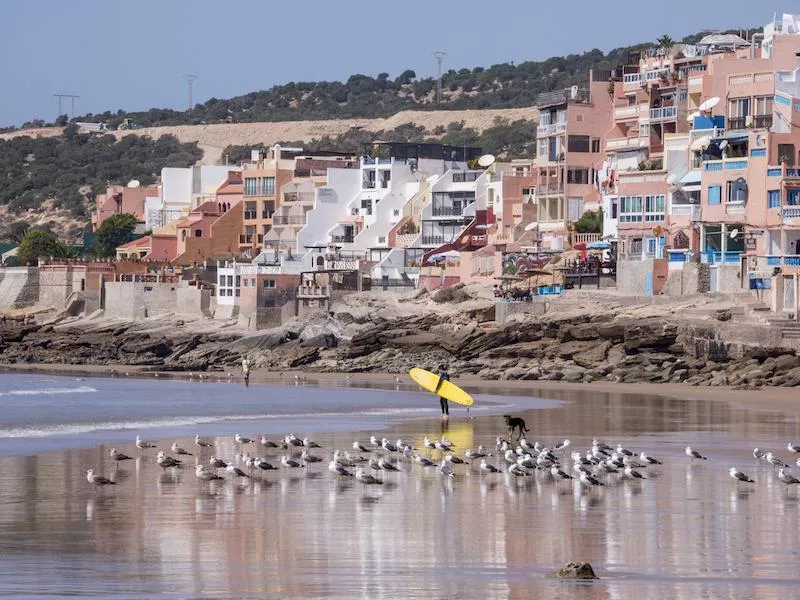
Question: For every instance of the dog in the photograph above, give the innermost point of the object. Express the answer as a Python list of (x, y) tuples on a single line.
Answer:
[(513, 423)]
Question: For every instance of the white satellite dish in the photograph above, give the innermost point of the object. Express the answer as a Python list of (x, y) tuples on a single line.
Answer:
[(707, 105), (531, 226), (733, 233), (671, 179), (691, 116), (134, 183), (487, 160), (700, 143), (723, 144)]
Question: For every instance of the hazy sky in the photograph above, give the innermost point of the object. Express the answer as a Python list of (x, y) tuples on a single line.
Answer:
[(132, 55)]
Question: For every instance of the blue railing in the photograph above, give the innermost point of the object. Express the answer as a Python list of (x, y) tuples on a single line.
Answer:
[(722, 258), (775, 260), (733, 165), (713, 166), (678, 256), (774, 172)]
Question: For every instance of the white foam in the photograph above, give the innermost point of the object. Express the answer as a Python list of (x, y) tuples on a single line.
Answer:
[(84, 389)]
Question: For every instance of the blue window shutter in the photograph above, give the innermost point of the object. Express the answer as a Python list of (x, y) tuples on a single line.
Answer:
[(714, 194), (773, 199)]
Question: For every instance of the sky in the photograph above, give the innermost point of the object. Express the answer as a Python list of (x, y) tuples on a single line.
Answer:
[(133, 55)]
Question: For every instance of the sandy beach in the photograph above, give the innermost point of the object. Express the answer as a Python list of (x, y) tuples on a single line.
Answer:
[(688, 530)]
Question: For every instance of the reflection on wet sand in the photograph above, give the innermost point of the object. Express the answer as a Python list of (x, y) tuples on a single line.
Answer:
[(687, 531)]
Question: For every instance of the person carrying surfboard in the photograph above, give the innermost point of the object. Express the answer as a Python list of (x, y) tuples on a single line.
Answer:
[(443, 376)]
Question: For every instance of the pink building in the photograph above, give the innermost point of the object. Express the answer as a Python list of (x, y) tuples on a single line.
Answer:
[(119, 199)]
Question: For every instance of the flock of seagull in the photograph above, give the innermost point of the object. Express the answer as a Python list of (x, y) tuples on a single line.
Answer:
[(369, 460)]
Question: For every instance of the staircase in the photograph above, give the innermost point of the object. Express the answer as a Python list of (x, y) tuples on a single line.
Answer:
[(790, 329)]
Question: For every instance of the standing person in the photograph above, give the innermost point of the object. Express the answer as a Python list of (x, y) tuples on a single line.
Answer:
[(246, 370), (443, 376)]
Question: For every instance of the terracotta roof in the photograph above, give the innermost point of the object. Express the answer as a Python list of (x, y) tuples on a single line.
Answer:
[(143, 242)]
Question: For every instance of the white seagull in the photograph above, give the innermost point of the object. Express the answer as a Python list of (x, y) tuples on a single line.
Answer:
[(623, 450), (309, 458), (166, 462), (180, 451), (338, 469), (236, 471), (454, 459), (97, 479), (291, 464), (793, 447), (268, 443), (374, 464), (774, 460), (204, 475), (633, 474), (587, 479), (260, 463), (694, 453), (758, 454), (387, 466), (217, 463), (649, 459), (787, 478), (561, 445), (739, 476), (202, 443), (556, 472), (423, 461), (310, 444), (141, 444), (517, 471), (118, 456), (359, 447), (487, 468), (240, 439), (366, 478)]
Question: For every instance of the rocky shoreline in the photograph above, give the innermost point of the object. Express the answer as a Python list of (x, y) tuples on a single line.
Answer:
[(576, 347)]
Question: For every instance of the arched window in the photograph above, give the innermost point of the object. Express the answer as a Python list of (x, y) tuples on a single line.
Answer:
[(198, 233), (183, 235)]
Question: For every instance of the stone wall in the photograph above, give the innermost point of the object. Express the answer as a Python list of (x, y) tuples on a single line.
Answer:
[(193, 301), (503, 311), (129, 300), (632, 276), (19, 287)]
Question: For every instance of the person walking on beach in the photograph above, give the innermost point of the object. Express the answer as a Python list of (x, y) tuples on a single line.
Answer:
[(443, 376), (246, 370)]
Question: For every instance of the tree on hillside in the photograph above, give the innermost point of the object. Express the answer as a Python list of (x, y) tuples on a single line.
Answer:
[(115, 231), (16, 231), (39, 244), (665, 41)]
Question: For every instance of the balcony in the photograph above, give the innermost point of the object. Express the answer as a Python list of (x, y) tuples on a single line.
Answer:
[(312, 291), (552, 129), (728, 164), (790, 213), (666, 113), (737, 123), (562, 97), (634, 142), (432, 240), (368, 185), (762, 121), (249, 215), (247, 238), (626, 112), (342, 239), (448, 211), (632, 79), (267, 214), (284, 220), (550, 188), (722, 258), (790, 260)]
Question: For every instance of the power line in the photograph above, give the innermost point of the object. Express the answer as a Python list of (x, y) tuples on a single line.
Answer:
[(190, 79), (61, 97)]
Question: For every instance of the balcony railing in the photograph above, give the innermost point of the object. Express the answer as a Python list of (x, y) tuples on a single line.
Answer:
[(284, 220), (342, 239), (635, 78), (368, 185), (791, 260), (626, 112), (762, 121), (447, 211), (562, 97), (247, 238), (550, 188), (249, 215), (634, 142), (790, 212), (729, 164), (551, 129), (432, 240), (722, 258), (737, 123), (267, 214), (663, 114)]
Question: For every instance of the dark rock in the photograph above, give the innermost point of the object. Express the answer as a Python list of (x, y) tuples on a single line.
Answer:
[(574, 570), (324, 340), (591, 357)]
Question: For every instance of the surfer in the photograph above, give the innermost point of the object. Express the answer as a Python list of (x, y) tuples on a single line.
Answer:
[(443, 376), (246, 370)]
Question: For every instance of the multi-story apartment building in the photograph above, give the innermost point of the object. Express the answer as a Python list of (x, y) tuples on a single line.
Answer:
[(118, 199), (570, 137)]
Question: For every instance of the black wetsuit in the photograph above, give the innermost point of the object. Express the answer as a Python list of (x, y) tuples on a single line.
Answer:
[(443, 376)]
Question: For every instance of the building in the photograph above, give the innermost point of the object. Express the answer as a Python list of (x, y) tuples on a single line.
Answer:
[(118, 199)]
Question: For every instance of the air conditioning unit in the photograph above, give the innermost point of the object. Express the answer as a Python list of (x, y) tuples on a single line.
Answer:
[(573, 92), (748, 121)]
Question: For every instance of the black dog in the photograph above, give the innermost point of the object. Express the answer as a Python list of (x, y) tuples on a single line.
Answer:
[(513, 423)]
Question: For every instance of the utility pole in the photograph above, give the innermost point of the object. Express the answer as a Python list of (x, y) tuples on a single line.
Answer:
[(439, 57), (190, 79), (61, 97)]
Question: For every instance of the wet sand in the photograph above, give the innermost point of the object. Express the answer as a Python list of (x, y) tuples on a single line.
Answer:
[(687, 531)]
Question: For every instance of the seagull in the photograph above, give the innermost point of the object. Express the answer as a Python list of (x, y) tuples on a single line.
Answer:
[(510, 457), (309, 458), (424, 461), (527, 462), (374, 441), (517, 471), (118, 456), (787, 478), (694, 453), (774, 460), (798, 462), (629, 462), (268, 443), (204, 475), (525, 445), (353, 459), (758, 454), (445, 470), (141, 444), (366, 478), (260, 463), (454, 459), (342, 460), (396, 379), (217, 463), (601, 445), (387, 466), (202, 443), (428, 444), (236, 471), (649, 459), (242, 440), (579, 459), (555, 471), (388, 446), (97, 479), (487, 468), (180, 451), (166, 462), (793, 448), (587, 479), (738, 475), (633, 474), (374, 464), (561, 445), (579, 468), (337, 469), (288, 462), (310, 444), (292, 440), (622, 450), (500, 442), (474, 454), (360, 448)]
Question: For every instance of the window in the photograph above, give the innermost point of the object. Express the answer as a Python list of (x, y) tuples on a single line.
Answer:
[(738, 111), (774, 199), (578, 176), (630, 209), (595, 145), (793, 197), (763, 106), (230, 280), (654, 208), (465, 177), (631, 99), (542, 150), (237, 292), (737, 191), (644, 129), (198, 233), (250, 186), (714, 194), (786, 154), (269, 283), (578, 143), (574, 208), (614, 207), (246, 283), (268, 186)]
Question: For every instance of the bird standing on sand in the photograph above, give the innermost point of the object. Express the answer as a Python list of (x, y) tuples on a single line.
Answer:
[(204, 475), (217, 463), (240, 439), (487, 468), (421, 460), (338, 469), (556, 472), (309, 458), (787, 478), (587, 479), (202, 443), (454, 459), (359, 447), (387, 466), (739, 476), (793, 448), (180, 451), (166, 462), (290, 464), (694, 454), (310, 444), (632, 473), (117, 456), (366, 478), (141, 444), (260, 463), (445, 470), (649, 459), (774, 460), (97, 479), (517, 471), (268, 443), (236, 471)]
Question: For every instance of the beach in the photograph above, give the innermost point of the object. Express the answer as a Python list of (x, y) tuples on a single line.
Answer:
[(688, 530)]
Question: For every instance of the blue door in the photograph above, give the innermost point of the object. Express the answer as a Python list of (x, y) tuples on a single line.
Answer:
[(648, 284)]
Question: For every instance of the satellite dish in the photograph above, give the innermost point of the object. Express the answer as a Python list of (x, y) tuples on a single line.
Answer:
[(134, 183), (733, 234), (487, 160), (671, 179), (700, 143), (707, 105), (691, 116), (723, 144), (531, 226)]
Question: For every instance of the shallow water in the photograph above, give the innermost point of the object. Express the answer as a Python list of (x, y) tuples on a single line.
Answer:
[(689, 531)]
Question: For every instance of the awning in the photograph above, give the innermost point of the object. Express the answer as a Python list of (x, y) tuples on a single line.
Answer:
[(691, 178)]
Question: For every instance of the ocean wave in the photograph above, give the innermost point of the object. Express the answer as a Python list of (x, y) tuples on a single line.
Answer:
[(83, 389)]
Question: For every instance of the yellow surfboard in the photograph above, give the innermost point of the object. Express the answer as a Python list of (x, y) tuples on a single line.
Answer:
[(448, 391)]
